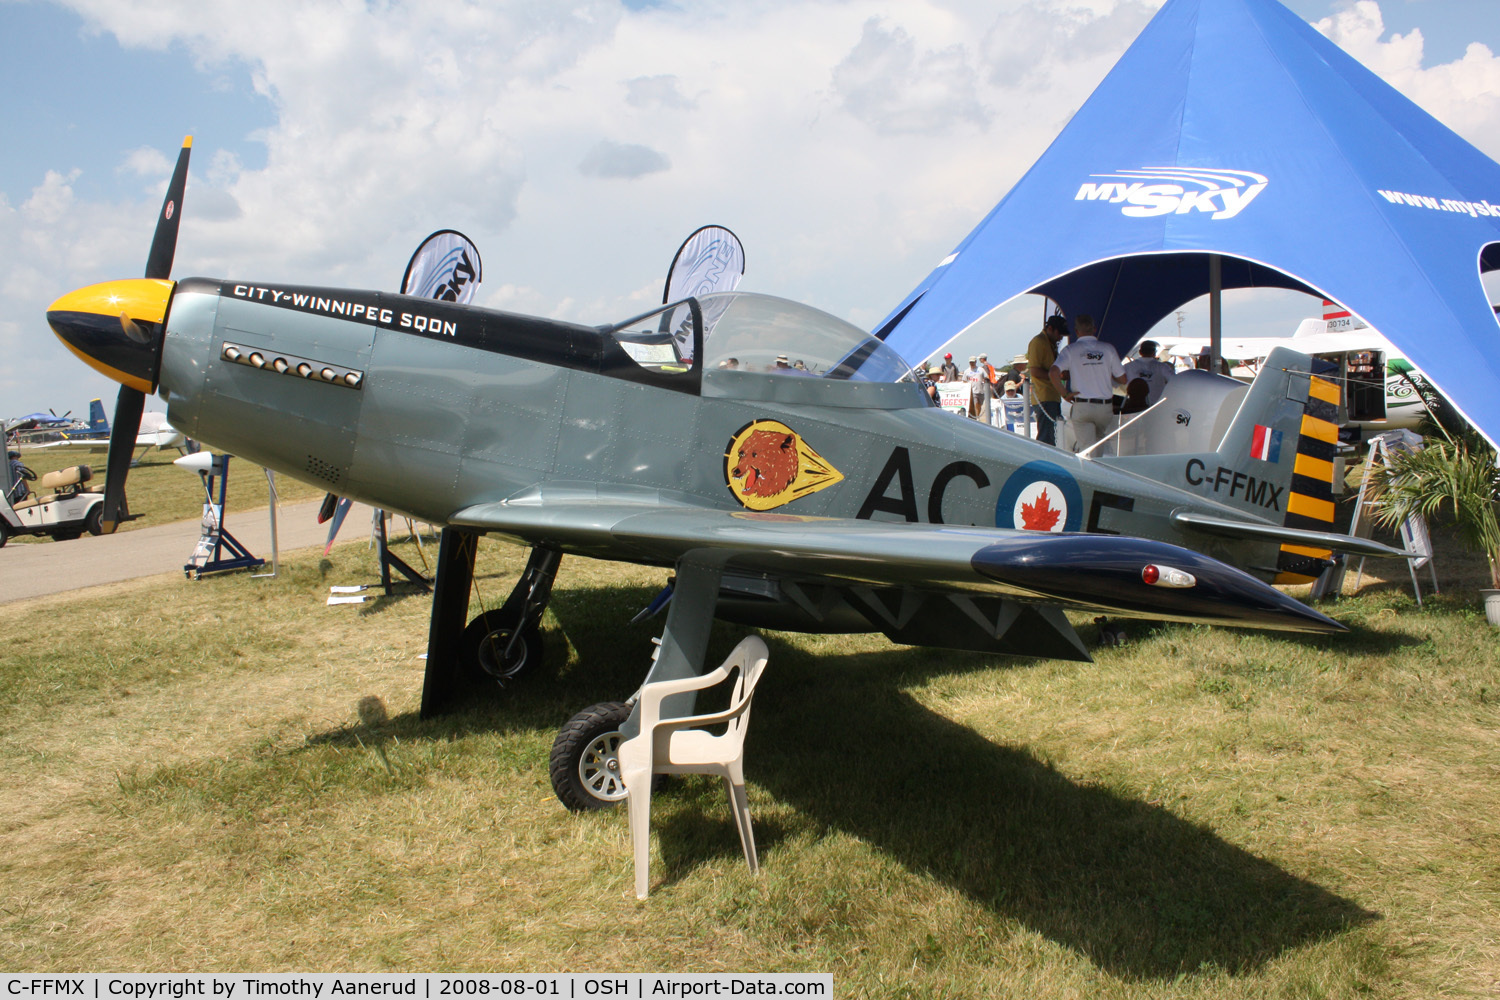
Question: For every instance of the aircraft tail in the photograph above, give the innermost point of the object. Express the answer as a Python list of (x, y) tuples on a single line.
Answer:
[(97, 420), (1277, 458)]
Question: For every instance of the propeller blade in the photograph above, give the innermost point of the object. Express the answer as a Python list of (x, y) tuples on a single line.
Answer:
[(133, 331), (164, 243), (127, 424)]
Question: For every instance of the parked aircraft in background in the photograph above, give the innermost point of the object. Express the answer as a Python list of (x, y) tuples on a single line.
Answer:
[(38, 421), (155, 432), (832, 498), (1383, 390)]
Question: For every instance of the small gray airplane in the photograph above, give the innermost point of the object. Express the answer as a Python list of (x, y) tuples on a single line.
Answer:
[(830, 497)]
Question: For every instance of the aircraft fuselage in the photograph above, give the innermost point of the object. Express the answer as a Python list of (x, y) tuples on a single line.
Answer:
[(427, 408)]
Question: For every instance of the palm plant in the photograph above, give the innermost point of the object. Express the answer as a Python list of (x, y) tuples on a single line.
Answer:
[(1458, 474)]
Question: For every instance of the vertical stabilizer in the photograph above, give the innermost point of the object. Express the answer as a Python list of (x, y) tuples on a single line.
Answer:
[(1275, 460), (1283, 442), (98, 422)]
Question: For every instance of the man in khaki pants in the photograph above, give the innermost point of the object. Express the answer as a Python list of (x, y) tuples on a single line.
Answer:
[(1094, 369)]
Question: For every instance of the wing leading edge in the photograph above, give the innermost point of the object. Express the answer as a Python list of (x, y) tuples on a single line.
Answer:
[(1097, 573)]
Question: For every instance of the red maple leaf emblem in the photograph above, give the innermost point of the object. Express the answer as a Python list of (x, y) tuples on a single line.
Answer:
[(1040, 515)]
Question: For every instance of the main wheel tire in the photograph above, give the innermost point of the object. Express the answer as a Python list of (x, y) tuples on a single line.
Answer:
[(4, 532), (483, 645), (94, 522), (585, 762)]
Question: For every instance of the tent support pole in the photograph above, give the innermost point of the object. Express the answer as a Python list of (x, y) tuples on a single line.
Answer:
[(1215, 311)]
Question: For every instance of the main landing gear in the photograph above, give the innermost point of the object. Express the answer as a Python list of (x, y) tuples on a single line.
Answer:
[(498, 645)]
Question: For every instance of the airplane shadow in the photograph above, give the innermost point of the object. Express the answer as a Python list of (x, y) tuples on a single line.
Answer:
[(1138, 890)]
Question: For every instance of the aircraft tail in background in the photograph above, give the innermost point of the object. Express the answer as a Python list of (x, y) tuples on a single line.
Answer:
[(98, 422)]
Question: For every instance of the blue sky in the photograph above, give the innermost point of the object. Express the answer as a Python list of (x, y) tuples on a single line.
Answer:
[(579, 143)]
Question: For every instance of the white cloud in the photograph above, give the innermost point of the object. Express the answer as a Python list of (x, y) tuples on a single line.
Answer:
[(1037, 43), (887, 84), (659, 91), (850, 144), (622, 160), (1463, 94)]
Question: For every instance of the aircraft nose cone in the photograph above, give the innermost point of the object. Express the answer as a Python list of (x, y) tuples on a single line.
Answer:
[(115, 328)]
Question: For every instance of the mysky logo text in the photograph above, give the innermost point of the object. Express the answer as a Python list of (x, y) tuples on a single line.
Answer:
[(1153, 191)]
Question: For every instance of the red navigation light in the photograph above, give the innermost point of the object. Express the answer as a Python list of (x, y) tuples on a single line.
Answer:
[(1150, 574)]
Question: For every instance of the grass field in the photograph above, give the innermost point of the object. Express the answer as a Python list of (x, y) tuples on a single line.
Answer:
[(187, 785)]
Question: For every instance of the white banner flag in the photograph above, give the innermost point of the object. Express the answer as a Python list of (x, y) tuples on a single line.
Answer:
[(710, 260), (446, 266)]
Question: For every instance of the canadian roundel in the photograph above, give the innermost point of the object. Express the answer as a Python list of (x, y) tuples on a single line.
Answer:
[(1040, 496)]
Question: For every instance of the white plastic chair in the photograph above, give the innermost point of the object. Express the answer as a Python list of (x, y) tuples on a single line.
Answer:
[(682, 746)]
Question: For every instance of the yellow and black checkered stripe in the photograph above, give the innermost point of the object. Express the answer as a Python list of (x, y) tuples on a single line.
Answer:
[(1309, 503)]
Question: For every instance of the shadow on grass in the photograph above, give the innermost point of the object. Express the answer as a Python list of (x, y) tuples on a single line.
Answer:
[(1133, 887), (1136, 889)]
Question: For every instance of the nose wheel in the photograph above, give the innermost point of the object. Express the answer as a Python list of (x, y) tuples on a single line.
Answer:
[(585, 762)]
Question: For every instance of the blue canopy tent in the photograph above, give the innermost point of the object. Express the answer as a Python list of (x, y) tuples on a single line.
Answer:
[(1231, 129)]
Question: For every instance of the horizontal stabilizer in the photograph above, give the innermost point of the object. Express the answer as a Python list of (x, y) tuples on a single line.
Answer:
[(1227, 527)]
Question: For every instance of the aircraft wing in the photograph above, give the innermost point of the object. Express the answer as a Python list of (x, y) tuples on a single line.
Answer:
[(93, 444), (1101, 573)]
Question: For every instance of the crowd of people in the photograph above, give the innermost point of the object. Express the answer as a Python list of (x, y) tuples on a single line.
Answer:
[(1085, 373)]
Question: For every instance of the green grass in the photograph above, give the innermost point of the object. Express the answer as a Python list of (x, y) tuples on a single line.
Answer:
[(188, 782)]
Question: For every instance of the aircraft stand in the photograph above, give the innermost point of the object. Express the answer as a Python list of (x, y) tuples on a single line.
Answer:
[(1413, 531), (217, 467), (389, 560)]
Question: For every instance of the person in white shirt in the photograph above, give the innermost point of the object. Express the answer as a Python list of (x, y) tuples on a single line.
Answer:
[(974, 377), (1157, 373), (1093, 369)]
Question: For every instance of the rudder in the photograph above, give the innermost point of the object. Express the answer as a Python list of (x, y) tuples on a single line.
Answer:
[(1285, 436)]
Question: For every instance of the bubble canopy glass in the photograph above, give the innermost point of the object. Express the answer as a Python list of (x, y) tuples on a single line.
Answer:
[(748, 332)]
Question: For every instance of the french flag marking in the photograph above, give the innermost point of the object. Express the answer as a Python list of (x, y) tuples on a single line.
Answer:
[(1265, 444)]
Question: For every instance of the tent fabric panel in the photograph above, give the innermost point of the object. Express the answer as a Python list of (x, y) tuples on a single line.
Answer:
[(1366, 197)]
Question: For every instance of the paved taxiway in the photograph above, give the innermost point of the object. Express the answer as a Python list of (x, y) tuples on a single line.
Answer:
[(34, 569)]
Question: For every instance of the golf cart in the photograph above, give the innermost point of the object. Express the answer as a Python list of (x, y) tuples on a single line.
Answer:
[(62, 507)]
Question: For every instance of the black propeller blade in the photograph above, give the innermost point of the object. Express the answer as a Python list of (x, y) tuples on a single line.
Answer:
[(164, 243), (132, 402), (122, 435)]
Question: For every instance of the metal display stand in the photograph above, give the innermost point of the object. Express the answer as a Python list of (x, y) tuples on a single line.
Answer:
[(215, 536), (1414, 536), (389, 561), (275, 548)]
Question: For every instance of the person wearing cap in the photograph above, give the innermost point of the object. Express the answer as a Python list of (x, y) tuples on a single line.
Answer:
[(950, 370), (974, 377), (929, 380), (989, 386), (1013, 408), (1155, 372), (1093, 368), (1041, 353), (17, 489)]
